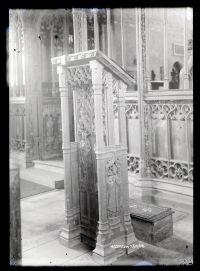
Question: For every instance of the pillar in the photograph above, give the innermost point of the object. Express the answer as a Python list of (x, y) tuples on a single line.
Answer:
[(122, 38), (74, 14), (102, 250), (96, 29), (70, 233), (109, 93), (142, 106), (186, 76), (109, 31), (122, 114), (166, 76), (97, 73), (84, 38), (147, 26), (66, 34), (140, 85)]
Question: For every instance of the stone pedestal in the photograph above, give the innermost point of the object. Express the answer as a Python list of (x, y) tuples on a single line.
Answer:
[(96, 178)]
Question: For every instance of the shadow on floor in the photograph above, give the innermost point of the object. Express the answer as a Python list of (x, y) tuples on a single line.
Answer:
[(176, 244)]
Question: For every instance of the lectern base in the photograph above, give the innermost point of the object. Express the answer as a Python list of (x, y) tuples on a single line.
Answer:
[(69, 239)]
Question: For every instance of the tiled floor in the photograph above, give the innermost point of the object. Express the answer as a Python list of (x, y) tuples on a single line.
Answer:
[(43, 215)]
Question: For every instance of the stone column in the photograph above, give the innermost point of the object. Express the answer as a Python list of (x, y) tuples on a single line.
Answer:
[(122, 38), (186, 75), (109, 93), (66, 34), (74, 13), (70, 233), (97, 84), (84, 31), (52, 55), (142, 106), (139, 84), (122, 114), (129, 234), (109, 32), (102, 249), (166, 76), (96, 29), (147, 26), (33, 93)]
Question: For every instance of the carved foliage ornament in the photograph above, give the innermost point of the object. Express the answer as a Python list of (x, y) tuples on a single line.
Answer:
[(115, 110), (77, 76), (104, 105), (86, 136), (133, 163), (115, 87)]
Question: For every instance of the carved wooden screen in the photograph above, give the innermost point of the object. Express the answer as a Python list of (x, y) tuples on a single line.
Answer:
[(85, 136), (52, 44)]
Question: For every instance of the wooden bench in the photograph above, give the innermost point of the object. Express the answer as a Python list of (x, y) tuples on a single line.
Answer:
[(151, 223)]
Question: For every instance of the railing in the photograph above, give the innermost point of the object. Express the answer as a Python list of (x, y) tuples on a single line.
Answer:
[(170, 116)]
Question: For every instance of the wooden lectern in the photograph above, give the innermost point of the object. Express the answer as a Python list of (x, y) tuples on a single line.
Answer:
[(95, 168)]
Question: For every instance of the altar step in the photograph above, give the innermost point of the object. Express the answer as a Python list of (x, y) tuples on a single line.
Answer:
[(50, 165), (49, 173)]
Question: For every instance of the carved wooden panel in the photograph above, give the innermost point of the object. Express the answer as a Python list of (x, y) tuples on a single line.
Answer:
[(113, 186), (17, 127), (85, 136), (52, 134)]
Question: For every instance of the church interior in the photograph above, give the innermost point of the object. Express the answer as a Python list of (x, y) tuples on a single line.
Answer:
[(101, 136)]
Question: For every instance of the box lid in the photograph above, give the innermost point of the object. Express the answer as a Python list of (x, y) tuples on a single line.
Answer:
[(149, 212)]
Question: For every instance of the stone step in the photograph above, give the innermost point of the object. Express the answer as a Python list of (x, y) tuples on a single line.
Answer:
[(50, 165), (43, 177)]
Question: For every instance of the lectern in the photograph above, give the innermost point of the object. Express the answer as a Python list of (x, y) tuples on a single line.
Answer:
[(95, 168)]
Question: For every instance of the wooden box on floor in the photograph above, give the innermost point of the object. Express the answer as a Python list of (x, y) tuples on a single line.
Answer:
[(151, 223)]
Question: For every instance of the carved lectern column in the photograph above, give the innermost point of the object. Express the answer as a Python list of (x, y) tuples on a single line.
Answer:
[(130, 237), (97, 73), (111, 136), (70, 233), (103, 248)]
